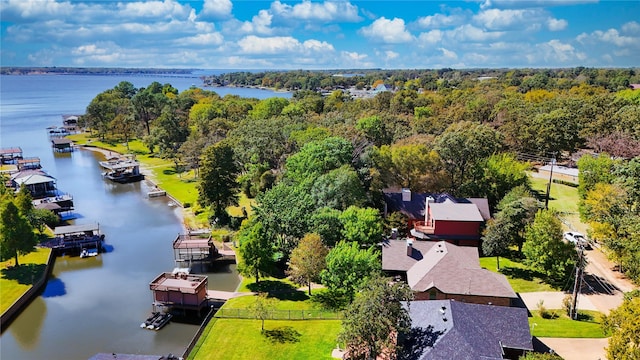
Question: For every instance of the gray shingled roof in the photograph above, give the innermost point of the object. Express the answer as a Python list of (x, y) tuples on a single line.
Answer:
[(462, 331), (452, 211), (449, 268)]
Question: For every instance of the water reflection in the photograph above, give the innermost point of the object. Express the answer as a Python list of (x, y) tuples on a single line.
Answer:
[(26, 330), (55, 287)]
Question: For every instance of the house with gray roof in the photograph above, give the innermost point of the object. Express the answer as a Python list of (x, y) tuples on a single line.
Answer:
[(449, 329), (441, 270)]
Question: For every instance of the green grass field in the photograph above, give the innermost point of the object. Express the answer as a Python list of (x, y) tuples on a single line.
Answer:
[(16, 281), (283, 339), (519, 276), (587, 325), (242, 339)]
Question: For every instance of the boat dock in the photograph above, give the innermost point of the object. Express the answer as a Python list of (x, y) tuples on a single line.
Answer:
[(122, 169), (75, 238)]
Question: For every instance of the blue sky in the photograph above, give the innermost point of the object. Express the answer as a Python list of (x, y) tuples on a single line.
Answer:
[(227, 34)]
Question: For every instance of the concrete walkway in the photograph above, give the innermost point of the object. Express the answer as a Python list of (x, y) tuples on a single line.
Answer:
[(553, 300), (577, 349)]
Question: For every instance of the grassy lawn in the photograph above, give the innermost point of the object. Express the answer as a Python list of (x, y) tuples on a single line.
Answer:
[(562, 197), (283, 339), (519, 276), (242, 339), (587, 325), (16, 281)]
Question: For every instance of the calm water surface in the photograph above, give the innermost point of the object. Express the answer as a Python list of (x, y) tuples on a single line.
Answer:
[(97, 304)]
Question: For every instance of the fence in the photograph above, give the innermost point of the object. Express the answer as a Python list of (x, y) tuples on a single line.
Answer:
[(281, 314)]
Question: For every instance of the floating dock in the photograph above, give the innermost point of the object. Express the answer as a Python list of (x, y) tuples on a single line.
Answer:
[(76, 238)]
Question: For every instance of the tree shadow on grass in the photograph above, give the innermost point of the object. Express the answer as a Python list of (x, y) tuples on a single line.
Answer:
[(25, 274), (279, 290), (282, 334), (520, 273)]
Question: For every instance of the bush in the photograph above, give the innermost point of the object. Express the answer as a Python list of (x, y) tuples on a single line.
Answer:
[(186, 205), (566, 303), (544, 312)]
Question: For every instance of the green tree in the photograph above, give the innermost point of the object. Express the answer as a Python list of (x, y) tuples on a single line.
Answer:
[(412, 166), (499, 174), (339, 189), (262, 308), (462, 146), (348, 267), (362, 225), (269, 108), (371, 323), (256, 250), (326, 222), (494, 239), (594, 170), (623, 324), (308, 260), (16, 234), (218, 186), (318, 157), (544, 249)]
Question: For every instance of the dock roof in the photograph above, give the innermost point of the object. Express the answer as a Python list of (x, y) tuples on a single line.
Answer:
[(72, 229), (11, 151), (184, 283)]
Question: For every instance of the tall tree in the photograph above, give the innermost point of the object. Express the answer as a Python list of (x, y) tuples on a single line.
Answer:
[(362, 225), (623, 324), (544, 249), (462, 146), (218, 186), (16, 234), (319, 157), (308, 260), (348, 267), (371, 323), (256, 250)]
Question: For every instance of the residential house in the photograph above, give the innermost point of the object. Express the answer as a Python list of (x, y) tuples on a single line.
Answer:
[(449, 329), (440, 216), (441, 270)]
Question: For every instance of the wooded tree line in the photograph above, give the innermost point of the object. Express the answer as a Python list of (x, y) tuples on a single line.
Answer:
[(317, 164)]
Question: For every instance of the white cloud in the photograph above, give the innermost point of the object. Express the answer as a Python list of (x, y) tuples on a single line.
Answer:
[(448, 54), (281, 45), (611, 36), (259, 24), (496, 19), (531, 3), (387, 31), (431, 37), (34, 9), (216, 8), (631, 28), (213, 38), (471, 33), (557, 24), (390, 55), (439, 21), (166, 9), (556, 52), (328, 11)]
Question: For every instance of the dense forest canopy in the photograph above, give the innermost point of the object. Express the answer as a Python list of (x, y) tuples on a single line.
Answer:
[(321, 159)]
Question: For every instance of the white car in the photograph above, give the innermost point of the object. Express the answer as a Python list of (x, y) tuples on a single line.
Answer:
[(577, 239)]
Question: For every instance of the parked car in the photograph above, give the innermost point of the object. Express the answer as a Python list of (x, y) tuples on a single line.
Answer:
[(577, 239)]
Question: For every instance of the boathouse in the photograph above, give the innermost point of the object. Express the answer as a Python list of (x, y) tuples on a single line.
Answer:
[(76, 238), (180, 290), (190, 247), (122, 170), (10, 155), (60, 144), (30, 163)]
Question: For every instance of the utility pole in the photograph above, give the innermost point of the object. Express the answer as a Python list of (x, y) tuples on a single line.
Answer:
[(546, 201), (573, 313)]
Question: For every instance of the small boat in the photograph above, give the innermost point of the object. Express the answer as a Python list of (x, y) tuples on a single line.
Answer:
[(88, 253), (156, 321)]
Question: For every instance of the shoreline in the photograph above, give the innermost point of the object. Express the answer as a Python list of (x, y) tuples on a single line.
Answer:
[(179, 211)]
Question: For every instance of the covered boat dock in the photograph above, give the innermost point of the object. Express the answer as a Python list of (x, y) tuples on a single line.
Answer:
[(190, 248), (180, 290), (76, 238)]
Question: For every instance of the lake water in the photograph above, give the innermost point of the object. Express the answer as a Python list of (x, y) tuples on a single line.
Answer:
[(96, 304)]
